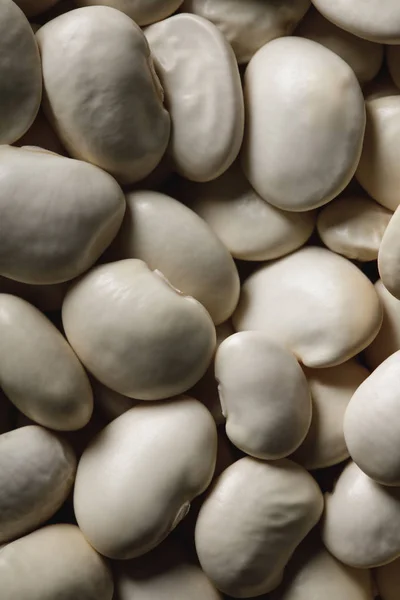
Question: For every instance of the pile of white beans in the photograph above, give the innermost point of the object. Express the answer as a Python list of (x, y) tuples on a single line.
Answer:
[(199, 299)]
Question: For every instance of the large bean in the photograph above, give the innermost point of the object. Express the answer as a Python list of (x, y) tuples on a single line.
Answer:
[(57, 215), (39, 372), (253, 519), (207, 120), (37, 471), (55, 562), (136, 333), (137, 478), (310, 302), (20, 73), (115, 118)]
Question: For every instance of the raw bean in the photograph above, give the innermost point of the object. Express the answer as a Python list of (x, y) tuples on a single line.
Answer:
[(20, 74), (264, 395), (54, 562), (37, 471), (310, 303), (303, 139), (137, 334), (57, 219), (137, 478), (255, 516), (206, 133), (39, 372), (115, 119)]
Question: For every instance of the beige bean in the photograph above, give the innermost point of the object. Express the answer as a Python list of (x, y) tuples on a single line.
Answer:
[(137, 478), (54, 562), (37, 471), (310, 302), (249, 25), (143, 12), (370, 20), (248, 226), (282, 84), (388, 580), (115, 118), (377, 170), (361, 524), (353, 226), (264, 395), (155, 342), (171, 238), (20, 74), (39, 372), (313, 573), (364, 57), (389, 256), (371, 427), (56, 219), (388, 339), (163, 574), (331, 392), (251, 522), (208, 119)]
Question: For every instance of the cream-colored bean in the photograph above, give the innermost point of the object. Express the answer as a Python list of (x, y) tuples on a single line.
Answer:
[(54, 562), (371, 427), (20, 73), (251, 522), (136, 333), (170, 237), (361, 525), (39, 372), (137, 478), (206, 389), (389, 256), (207, 119), (143, 12), (353, 226), (115, 118), (310, 302), (264, 395), (163, 574), (57, 215), (303, 138), (249, 25), (388, 339), (248, 226), (378, 170), (363, 56), (37, 471), (387, 579), (331, 392), (313, 574), (369, 20)]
